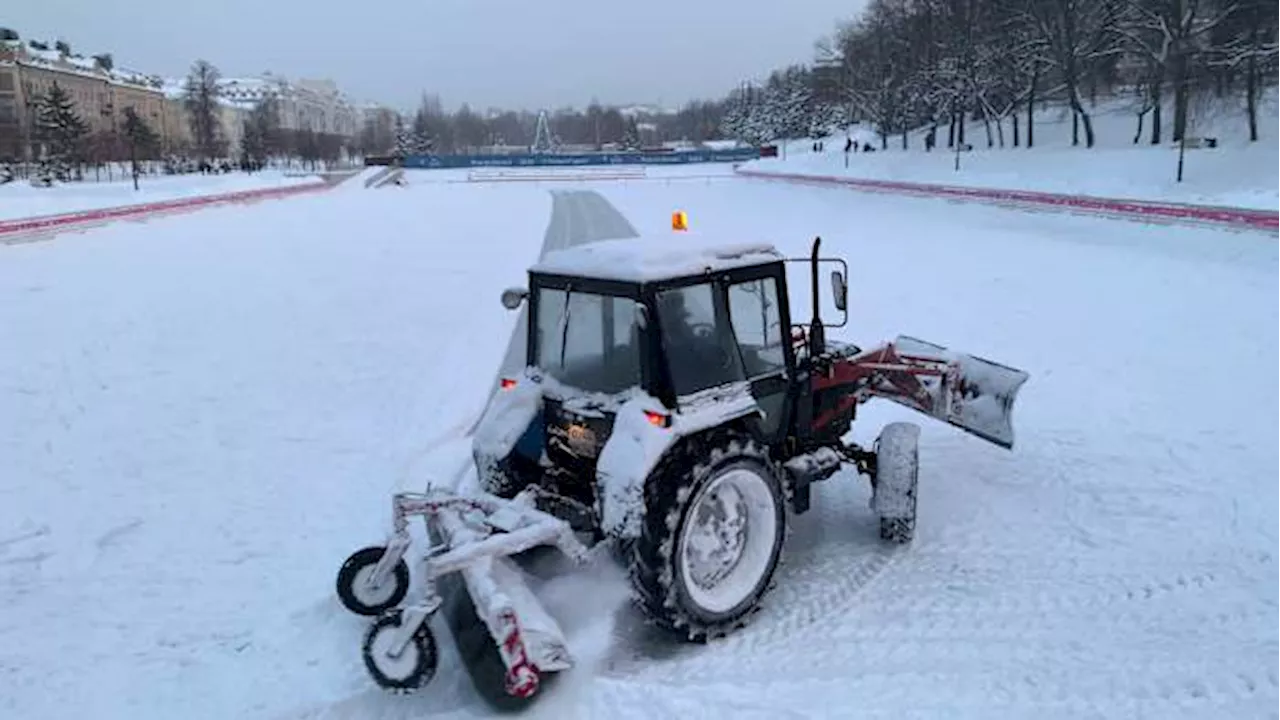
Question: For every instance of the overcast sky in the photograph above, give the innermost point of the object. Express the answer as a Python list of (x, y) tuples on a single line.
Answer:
[(511, 53)]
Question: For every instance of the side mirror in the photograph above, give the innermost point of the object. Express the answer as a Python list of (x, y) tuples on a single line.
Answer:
[(513, 296), (839, 290)]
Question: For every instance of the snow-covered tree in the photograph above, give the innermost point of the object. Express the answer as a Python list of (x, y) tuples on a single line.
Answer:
[(631, 136), (404, 138)]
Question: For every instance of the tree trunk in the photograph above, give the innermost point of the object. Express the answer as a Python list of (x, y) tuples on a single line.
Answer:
[(904, 138), (1014, 119), (1181, 97), (1137, 135), (1157, 111), (1251, 93), (1000, 131), (1031, 107), (986, 124), (951, 128), (1082, 117), (1075, 126), (960, 132)]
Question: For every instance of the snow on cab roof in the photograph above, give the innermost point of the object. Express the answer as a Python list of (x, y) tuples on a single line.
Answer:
[(654, 258)]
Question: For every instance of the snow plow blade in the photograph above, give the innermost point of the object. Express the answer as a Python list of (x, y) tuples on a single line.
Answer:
[(971, 393)]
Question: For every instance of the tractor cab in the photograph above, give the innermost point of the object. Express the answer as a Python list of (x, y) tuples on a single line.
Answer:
[(672, 319)]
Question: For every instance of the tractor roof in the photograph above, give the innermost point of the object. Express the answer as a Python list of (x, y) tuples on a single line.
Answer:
[(654, 258)]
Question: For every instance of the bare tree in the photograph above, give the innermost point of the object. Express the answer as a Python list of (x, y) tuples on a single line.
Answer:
[(201, 101), (1169, 38), (1245, 43)]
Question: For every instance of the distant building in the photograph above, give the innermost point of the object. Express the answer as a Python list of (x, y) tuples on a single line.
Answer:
[(315, 105), (314, 109)]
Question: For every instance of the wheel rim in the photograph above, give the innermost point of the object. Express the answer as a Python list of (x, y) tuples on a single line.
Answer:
[(394, 667), (726, 544), (369, 594)]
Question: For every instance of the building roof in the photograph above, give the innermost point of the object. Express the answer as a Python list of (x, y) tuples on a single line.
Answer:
[(74, 64), (654, 258)]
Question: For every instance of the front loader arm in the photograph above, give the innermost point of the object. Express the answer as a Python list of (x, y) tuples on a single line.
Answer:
[(968, 392)]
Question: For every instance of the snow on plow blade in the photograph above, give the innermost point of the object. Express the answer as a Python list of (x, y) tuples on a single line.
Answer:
[(972, 393)]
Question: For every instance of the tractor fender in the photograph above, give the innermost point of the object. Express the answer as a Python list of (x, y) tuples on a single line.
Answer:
[(508, 423), (638, 443)]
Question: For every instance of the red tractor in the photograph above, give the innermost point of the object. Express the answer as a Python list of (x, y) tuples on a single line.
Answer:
[(669, 403), (670, 407)]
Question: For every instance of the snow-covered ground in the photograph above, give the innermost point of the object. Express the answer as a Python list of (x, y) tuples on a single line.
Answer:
[(1237, 173), (195, 434), (20, 200)]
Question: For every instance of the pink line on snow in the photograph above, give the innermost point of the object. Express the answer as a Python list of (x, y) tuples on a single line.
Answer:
[(45, 223), (1130, 209)]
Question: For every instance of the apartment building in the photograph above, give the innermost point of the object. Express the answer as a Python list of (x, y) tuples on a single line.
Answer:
[(100, 95)]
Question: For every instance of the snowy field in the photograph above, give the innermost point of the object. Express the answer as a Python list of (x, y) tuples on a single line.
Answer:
[(200, 416), (19, 199), (1237, 173)]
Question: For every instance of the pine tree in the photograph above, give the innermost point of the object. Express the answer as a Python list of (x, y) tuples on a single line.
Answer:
[(252, 151), (405, 143), (62, 132), (266, 120), (631, 136), (142, 140), (258, 140), (421, 138)]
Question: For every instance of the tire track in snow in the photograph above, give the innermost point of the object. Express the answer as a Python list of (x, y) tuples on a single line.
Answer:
[(1163, 691), (819, 576), (965, 601)]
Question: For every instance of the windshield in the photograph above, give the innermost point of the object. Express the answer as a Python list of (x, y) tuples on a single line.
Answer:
[(588, 341)]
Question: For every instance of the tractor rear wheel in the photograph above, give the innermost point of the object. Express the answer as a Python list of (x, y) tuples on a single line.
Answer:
[(714, 523)]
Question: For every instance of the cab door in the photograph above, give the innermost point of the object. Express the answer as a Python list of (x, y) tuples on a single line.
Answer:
[(762, 331)]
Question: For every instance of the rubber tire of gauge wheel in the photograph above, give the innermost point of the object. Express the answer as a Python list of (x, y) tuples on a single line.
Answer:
[(350, 571), (425, 654)]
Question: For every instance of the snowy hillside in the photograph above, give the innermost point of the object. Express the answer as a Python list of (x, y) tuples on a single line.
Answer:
[(202, 415), (1237, 173)]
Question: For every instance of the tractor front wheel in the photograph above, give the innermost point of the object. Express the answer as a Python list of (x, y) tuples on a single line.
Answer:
[(897, 481), (712, 535)]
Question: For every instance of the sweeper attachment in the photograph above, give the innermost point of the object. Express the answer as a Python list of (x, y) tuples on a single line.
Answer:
[(472, 542)]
